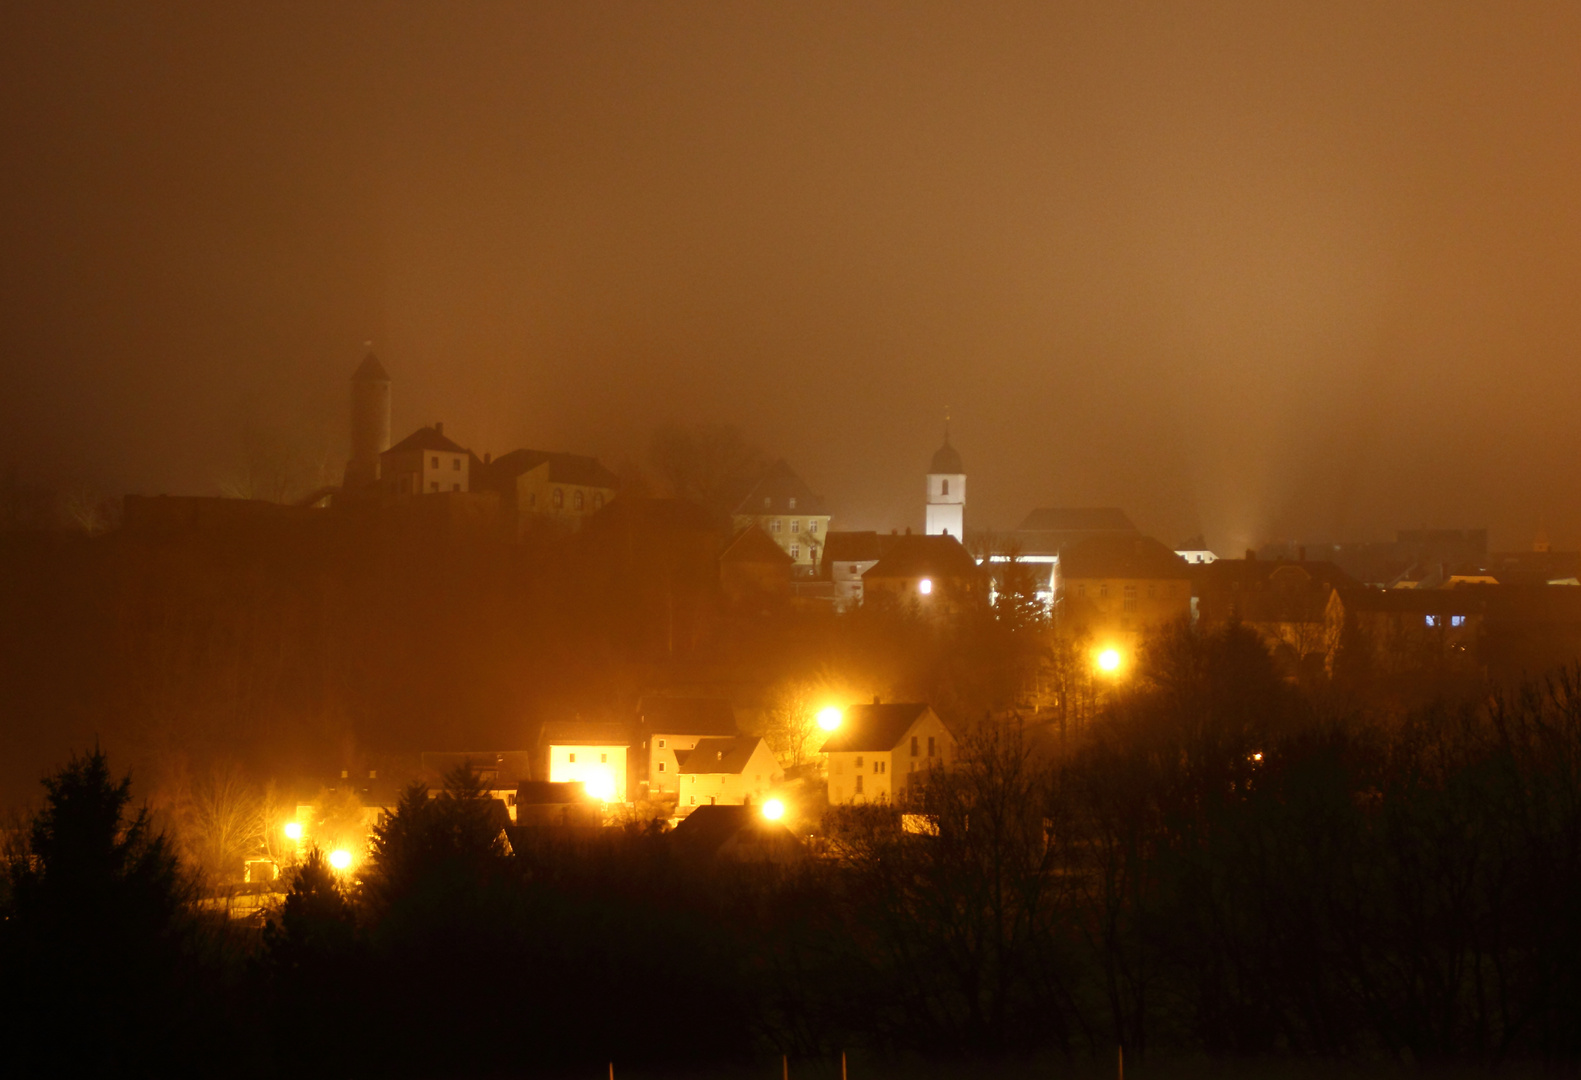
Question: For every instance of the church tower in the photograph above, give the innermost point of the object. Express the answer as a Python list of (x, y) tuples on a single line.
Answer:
[(370, 423), (947, 492)]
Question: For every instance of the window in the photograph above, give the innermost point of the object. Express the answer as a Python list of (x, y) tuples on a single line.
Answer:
[(1432, 620), (796, 525), (1081, 588), (558, 498), (571, 758), (694, 800), (661, 744), (795, 551), (859, 761), (774, 526), (930, 745), (661, 766), (913, 746), (1457, 620), (1103, 590), (576, 500), (859, 784), (455, 464), (944, 487), (435, 462), (712, 801), (812, 526), (603, 759), (856, 571), (433, 485), (1129, 603), (793, 502)]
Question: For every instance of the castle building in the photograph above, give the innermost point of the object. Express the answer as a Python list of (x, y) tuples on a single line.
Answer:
[(946, 492), (780, 503), (370, 423), (425, 462)]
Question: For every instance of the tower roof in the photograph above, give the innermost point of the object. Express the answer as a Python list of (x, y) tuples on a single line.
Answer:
[(946, 459), (370, 370)]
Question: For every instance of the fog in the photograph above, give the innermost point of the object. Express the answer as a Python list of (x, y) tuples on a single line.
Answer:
[(1255, 270)]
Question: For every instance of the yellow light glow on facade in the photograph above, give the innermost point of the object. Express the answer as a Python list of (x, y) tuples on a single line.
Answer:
[(773, 809), (1109, 661), (925, 586), (340, 859), (293, 831), (829, 717), (601, 785)]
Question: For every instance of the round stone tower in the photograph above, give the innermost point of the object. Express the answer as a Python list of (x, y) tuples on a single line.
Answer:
[(370, 423)]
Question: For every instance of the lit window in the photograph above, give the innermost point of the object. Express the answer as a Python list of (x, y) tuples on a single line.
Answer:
[(1130, 598), (774, 526), (1432, 620), (558, 498), (796, 525), (795, 551), (1457, 620), (603, 758)]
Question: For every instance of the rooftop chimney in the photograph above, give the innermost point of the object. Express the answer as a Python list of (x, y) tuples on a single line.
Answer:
[(1251, 556), (875, 699), (439, 427)]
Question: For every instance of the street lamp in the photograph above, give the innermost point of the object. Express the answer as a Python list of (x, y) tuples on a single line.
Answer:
[(829, 717), (340, 859), (925, 586), (293, 831), (773, 809), (1109, 661)]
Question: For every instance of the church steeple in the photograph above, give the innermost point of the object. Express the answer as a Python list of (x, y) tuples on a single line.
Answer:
[(946, 515)]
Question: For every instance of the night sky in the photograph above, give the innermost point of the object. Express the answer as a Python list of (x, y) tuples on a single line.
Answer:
[(1261, 270)]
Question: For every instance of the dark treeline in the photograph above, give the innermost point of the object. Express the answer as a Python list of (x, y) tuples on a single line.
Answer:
[(1220, 863)]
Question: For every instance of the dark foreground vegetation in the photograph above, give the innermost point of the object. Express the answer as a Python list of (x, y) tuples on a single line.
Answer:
[(1222, 865)]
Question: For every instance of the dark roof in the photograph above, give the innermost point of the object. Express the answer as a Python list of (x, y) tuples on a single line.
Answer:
[(563, 468), (508, 766), (875, 728), (708, 828), (753, 545), (1084, 520), (584, 733), (718, 755), (946, 459), (770, 493), (1251, 575), (688, 716), (1471, 600), (544, 793), (923, 556), (1121, 557), (426, 438), (852, 547), (370, 370)]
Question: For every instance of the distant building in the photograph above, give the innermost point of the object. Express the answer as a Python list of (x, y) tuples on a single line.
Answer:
[(946, 492), (736, 834), (878, 749), (542, 804), (754, 571), (727, 772), (589, 753), (933, 572), (1285, 603), (1115, 587), (782, 505), (425, 463), (670, 726), (542, 488), (370, 424), (500, 772), (1050, 529), (846, 557), (1404, 630)]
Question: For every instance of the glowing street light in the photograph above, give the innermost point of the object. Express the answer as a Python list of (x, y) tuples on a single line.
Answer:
[(340, 859), (1109, 661), (601, 786), (925, 586), (773, 809), (293, 831), (829, 717)]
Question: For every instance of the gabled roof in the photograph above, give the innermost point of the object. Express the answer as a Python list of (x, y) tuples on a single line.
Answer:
[(852, 547), (770, 493), (426, 438), (1104, 519), (508, 766), (370, 370), (688, 716), (708, 828), (923, 556), (729, 756), (1122, 557), (753, 545), (544, 793), (563, 468), (946, 459), (583, 733), (873, 728)]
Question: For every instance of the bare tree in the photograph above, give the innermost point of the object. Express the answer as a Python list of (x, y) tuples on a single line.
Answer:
[(694, 461)]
